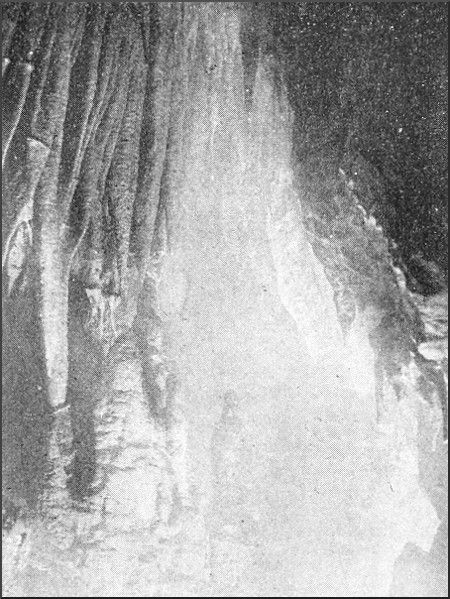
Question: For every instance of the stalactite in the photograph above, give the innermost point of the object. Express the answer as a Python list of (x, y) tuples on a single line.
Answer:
[(151, 32), (86, 188), (36, 147), (20, 209), (37, 19), (50, 274), (153, 148), (36, 46), (46, 298), (82, 105), (87, 203), (148, 324), (154, 230), (100, 275), (16, 99), (39, 42), (16, 258), (107, 69), (45, 98), (79, 189), (110, 134), (122, 178), (176, 48), (52, 269)]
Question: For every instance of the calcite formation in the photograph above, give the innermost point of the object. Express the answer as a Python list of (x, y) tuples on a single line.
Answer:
[(215, 426)]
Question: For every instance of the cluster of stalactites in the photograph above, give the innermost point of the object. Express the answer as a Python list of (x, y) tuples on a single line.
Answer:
[(91, 128), (76, 80), (93, 114)]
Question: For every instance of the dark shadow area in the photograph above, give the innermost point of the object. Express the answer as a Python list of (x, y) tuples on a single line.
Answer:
[(84, 384), (26, 418), (370, 79)]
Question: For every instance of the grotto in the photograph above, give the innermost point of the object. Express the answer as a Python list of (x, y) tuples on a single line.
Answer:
[(224, 300)]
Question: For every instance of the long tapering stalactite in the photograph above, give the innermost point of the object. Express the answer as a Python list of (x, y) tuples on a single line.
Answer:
[(48, 208), (122, 177)]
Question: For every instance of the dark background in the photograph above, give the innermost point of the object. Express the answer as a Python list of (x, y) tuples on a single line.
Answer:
[(369, 79)]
